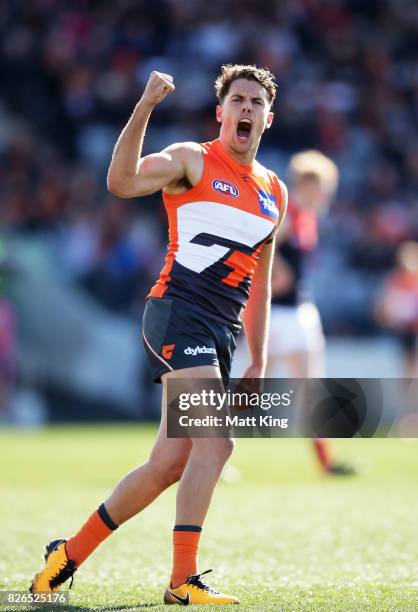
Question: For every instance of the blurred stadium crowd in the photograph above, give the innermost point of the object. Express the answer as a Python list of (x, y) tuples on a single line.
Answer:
[(71, 73)]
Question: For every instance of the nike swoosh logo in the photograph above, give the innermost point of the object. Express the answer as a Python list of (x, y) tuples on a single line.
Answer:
[(183, 600)]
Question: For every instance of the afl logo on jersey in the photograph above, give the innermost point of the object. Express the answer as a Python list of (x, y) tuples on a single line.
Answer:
[(225, 188), (268, 204)]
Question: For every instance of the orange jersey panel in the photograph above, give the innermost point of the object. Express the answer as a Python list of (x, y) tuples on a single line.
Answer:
[(216, 232)]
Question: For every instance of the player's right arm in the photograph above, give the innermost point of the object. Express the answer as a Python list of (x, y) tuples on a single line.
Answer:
[(131, 175)]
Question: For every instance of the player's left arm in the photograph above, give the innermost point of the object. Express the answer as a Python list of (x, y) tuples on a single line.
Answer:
[(283, 207), (256, 315)]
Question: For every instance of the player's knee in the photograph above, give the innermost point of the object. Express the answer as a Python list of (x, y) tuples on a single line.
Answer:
[(217, 450), (176, 469), (229, 445), (168, 470), (223, 451)]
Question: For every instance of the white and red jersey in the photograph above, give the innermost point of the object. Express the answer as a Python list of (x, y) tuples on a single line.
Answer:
[(216, 232)]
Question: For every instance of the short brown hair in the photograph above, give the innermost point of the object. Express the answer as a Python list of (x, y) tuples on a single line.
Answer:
[(232, 72)]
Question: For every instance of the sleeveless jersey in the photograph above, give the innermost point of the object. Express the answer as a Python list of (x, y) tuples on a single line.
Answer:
[(216, 232)]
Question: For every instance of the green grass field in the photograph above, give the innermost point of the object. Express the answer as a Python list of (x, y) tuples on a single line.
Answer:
[(282, 538)]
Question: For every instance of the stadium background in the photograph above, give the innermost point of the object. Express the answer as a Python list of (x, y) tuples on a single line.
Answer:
[(77, 262)]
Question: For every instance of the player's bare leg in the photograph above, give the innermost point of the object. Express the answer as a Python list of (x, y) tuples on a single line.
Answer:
[(297, 364), (141, 486), (316, 368), (303, 365), (131, 495), (205, 462), (293, 364), (204, 466)]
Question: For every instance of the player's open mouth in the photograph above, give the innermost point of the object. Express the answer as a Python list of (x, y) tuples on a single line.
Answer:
[(244, 129)]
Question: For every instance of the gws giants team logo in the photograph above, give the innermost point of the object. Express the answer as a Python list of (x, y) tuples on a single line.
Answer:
[(167, 350), (225, 188), (268, 204)]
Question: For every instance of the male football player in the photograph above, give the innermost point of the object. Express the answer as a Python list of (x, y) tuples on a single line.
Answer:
[(296, 338), (223, 210)]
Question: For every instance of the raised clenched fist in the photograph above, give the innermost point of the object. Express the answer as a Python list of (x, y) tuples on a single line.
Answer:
[(158, 87)]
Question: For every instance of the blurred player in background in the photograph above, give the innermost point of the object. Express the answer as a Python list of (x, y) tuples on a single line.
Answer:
[(296, 346), (397, 305), (223, 209)]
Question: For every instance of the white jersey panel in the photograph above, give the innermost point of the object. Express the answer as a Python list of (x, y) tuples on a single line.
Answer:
[(219, 220)]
